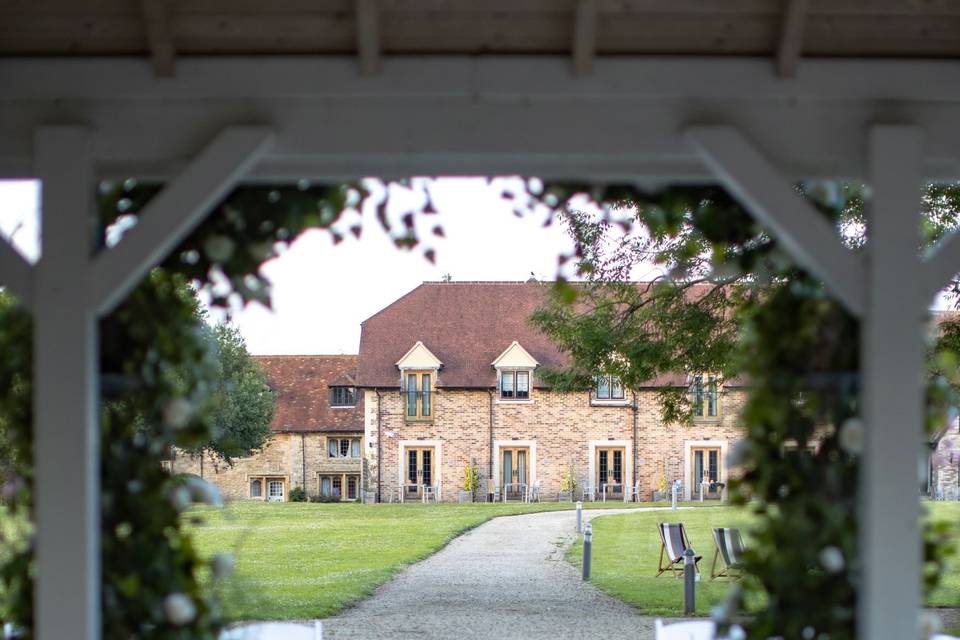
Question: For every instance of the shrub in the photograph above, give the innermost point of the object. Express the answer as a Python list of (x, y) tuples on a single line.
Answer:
[(325, 499), (298, 494)]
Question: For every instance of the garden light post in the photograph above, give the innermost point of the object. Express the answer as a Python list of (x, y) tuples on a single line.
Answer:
[(673, 496), (587, 549), (579, 516), (689, 582)]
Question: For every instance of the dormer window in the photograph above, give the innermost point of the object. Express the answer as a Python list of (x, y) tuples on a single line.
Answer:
[(418, 395), (704, 396), (608, 387), (515, 385), (343, 396)]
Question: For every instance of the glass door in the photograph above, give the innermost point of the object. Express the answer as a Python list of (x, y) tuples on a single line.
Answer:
[(706, 473), (609, 465), (419, 472), (275, 491), (514, 473)]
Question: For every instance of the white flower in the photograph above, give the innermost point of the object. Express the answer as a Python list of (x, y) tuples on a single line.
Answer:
[(179, 609), (737, 633), (177, 413), (204, 492), (218, 248), (929, 623), (852, 435), (180, 498), (832, 559), (261, 251), (222, 565)]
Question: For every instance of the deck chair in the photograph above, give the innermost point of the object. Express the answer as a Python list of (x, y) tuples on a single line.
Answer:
[(729, 549), (673, 542)]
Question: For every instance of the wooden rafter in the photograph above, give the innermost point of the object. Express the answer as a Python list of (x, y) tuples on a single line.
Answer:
[(156, 22), (584, 37), (791, 37), (368, 36)]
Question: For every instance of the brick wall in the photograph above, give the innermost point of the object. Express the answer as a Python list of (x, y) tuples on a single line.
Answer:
[(283, 456), (558, 428)]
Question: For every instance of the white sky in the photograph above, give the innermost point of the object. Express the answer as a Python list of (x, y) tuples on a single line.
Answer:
[(321, 292)]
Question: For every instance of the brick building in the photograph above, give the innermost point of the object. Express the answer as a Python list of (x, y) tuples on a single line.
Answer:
[(450, 378), (316, 440)]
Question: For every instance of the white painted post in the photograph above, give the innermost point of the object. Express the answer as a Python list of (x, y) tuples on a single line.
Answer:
[(891, 369), (65, 396)]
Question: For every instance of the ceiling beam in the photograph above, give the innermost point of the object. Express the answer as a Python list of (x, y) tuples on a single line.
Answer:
[(368, 36), (584, 37), (791, 37), (156, 22)]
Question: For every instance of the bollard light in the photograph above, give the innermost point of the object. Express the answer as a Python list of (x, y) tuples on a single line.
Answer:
[(689, 582), (579, 516), (587, 547), (674, 497)]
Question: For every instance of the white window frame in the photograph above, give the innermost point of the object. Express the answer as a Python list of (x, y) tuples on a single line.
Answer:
[(513, 372), (597, 400)]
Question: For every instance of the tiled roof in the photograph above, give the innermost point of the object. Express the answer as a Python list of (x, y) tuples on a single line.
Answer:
[(301, 385), (466, 325)]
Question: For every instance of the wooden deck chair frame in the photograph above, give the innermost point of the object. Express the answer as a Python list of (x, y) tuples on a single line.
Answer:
[(729, 570), (675, 567)]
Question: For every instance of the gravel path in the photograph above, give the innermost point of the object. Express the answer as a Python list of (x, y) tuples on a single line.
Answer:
[(505, 579)]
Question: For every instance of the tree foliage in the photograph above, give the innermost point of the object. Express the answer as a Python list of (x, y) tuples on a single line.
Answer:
[(733, 303)]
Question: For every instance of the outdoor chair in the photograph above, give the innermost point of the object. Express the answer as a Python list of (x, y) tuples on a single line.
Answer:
[(729, 549), (430, 493), (673, 542), (633, 493), (533, 494)]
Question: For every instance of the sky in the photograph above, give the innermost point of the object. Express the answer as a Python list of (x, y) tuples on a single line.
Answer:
[(322, 292)]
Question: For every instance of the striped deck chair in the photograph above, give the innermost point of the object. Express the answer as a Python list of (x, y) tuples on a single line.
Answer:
[(673, 542), (730, 550)]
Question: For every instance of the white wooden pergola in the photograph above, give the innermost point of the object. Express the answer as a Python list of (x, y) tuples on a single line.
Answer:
[(208, 93)]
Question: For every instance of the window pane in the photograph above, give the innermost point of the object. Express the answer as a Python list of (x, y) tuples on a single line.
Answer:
[(506, 384), (603, 388), (351, 487), (350, 396), (714, 465), (523, 384), (412, 395), (255, 490), (616, 388), (425, 387), (332, 447), (412, 466), (337, 486), (712, 397), (618, 466), (696, 391), (427, 466), (344, 448), (325, 487), (354, 448)]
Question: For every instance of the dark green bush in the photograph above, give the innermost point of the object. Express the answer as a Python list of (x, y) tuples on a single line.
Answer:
[(297, 494)]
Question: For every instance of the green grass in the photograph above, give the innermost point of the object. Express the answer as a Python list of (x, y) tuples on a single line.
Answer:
[(302, 561), (626, 549)]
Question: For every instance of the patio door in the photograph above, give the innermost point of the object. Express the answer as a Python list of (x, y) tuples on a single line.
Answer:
[(706, 472), (419, 471), (275, 490), (609, 466), (514, 472)]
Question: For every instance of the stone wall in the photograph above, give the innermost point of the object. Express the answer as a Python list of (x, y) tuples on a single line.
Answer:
[(291, 457), (559, 429)]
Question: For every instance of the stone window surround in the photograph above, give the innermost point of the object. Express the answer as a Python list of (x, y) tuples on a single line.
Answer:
[(499, 399), (688, 446), (626, 445), (265, 479), (532, 464), (437, 464)]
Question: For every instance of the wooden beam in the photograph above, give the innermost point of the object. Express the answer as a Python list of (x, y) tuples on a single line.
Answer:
[(174, 212), (584, 37), (156, 22), (16, 274), (791, 37), (65, 403), (809, 238), (368, 36), (892, 391)]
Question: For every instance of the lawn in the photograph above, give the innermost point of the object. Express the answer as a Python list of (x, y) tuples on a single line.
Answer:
[(626, 549), (302, 561)]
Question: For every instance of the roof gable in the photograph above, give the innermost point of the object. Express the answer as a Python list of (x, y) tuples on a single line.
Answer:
[(419, 357), (515, 357)]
